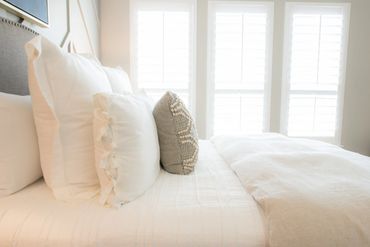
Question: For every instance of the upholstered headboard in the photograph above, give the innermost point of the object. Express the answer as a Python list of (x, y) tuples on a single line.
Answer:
[(13, 60)]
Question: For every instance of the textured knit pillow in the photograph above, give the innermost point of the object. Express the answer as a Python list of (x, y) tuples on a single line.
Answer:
[(177, 135)]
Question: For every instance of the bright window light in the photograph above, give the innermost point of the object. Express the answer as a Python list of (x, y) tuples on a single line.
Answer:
[(315, 48), (240, 59), (163, 47)]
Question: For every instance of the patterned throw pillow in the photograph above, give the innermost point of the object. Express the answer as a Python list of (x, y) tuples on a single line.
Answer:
[(177, 135)]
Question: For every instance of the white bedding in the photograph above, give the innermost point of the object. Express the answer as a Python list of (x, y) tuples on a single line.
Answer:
[(207, 208), (311, 193)]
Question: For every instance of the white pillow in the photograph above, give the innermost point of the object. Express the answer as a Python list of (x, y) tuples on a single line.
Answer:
[(19, 150), (126, 147), (62, 86), (119, 80)]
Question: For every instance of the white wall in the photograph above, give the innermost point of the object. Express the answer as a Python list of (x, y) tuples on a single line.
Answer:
[(115, 31), (356, 114), (84, 24)]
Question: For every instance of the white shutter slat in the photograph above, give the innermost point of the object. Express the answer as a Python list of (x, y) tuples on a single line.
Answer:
[(163, 47), (240, 49), (163, 50), (238, 113), (315, 53), (312, 115)]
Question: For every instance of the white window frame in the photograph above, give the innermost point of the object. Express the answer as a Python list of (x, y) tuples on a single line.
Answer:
[(211, 91), (284, 115), (163, 5)]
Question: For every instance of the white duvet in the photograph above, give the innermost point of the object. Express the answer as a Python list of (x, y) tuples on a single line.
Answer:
[(312, 194)]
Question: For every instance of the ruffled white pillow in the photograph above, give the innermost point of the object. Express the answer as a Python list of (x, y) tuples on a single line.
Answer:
[(126, 147)]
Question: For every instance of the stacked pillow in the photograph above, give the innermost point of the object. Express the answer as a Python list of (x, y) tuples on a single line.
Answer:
[(62, 86), (87, 114), (19, 159), (118, 79)]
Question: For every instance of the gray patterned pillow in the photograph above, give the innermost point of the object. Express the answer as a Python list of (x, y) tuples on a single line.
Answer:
[(177, 135)]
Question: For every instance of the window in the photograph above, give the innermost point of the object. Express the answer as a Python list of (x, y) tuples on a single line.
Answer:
[(315, 49), (162, 47), (229, 72), (240, 41)]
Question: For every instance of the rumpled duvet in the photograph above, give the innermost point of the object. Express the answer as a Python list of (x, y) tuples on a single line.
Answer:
[(311, 193)]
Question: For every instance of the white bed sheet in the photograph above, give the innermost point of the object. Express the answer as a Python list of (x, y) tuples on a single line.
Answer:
[(207, 208)]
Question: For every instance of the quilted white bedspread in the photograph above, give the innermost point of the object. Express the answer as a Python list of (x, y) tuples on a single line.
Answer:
[(206, 208), (311, 193)]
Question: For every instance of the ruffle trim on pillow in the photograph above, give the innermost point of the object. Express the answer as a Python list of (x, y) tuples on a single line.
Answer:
[(108, 162)]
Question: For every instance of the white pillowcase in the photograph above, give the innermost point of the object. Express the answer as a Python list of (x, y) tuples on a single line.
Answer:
[(119, 80), (62, 86), (19, 150), (126, 147)]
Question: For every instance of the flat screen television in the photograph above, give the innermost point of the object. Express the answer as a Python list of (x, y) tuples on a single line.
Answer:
[(35, 11)]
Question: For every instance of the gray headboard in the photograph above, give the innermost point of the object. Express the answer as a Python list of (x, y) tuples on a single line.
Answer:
[(13, 60)]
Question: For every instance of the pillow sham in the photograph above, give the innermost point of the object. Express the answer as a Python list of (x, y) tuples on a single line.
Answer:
[(19, 149), (62, 86), (126, 147), (118, 80), (117, 77), (177, 134)]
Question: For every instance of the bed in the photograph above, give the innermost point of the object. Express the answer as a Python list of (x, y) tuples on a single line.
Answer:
[(207, 208), (266, 190)]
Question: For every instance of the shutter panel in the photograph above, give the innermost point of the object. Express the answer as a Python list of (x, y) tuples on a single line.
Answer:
[(163, 47), (315, 47), (240, 38)]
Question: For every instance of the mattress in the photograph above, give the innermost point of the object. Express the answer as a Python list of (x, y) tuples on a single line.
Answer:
[(206, 208)]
